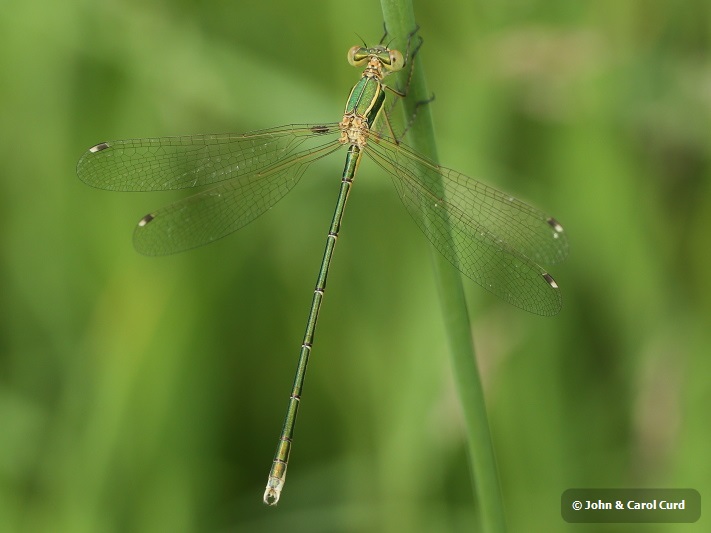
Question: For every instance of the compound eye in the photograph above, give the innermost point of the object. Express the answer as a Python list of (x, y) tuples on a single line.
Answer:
[(396, 60), (357, 56)]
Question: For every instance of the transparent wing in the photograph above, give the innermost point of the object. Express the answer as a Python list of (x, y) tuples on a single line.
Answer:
[(222, 209), (492, 238), (168, 163)]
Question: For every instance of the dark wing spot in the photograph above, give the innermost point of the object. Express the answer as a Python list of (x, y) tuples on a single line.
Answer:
[(320, 129), (145, 220), (99, 147), (552, 222), (549, 279)]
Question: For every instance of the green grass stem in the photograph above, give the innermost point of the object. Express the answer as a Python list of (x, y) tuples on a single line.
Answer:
[(400, 21)]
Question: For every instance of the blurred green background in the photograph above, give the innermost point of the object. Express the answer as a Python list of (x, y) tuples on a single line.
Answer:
[(146, 394)]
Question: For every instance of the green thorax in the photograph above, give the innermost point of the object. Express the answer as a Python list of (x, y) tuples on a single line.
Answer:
[(366, 99)]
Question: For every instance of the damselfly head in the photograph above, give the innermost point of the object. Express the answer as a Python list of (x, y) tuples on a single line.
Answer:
[(389, 60)]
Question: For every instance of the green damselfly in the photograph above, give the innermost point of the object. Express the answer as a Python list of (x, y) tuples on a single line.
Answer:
[(491, 237)]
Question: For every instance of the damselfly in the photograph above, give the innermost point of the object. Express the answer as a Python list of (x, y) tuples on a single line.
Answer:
[(491, 237)]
